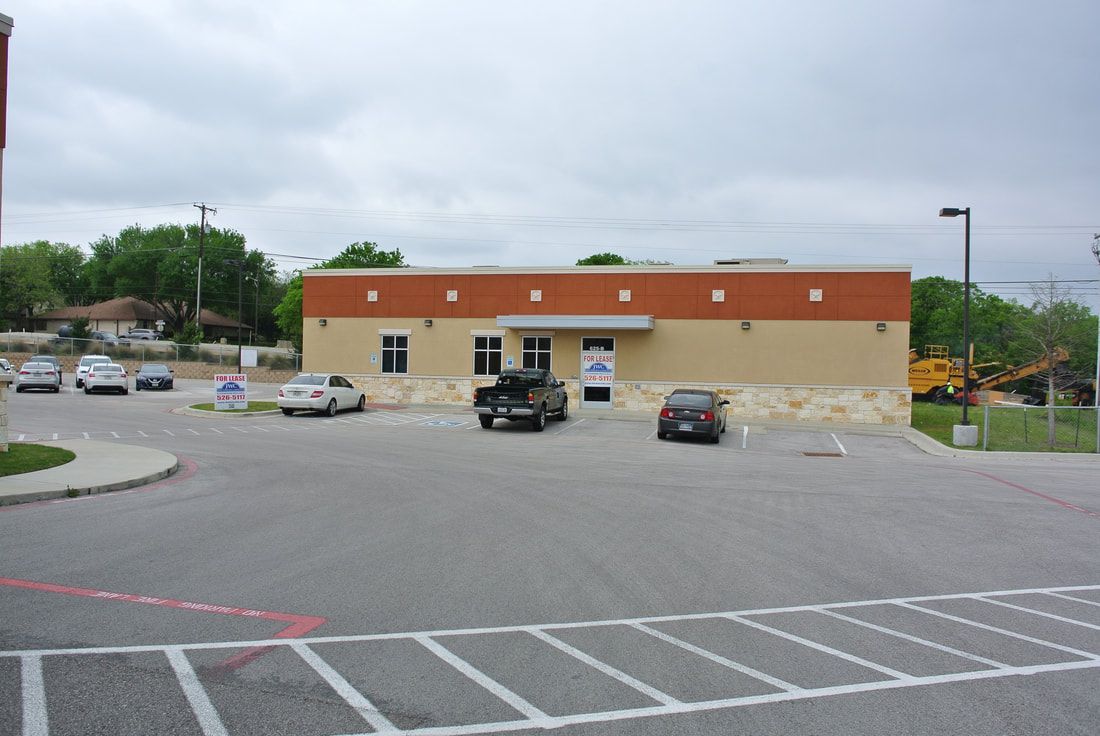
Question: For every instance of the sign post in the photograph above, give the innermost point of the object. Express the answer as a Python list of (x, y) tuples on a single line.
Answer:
[(230, 391)]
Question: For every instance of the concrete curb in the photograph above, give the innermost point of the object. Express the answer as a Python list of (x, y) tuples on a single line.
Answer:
[(99, 467), (188, 411)]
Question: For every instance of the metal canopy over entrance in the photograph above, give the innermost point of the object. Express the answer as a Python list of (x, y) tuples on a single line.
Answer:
[(595, 322)]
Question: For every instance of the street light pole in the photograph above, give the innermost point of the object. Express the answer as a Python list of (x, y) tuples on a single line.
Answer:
[(955, 212)]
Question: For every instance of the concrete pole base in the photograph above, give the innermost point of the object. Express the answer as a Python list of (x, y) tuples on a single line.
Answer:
[(964, 435)]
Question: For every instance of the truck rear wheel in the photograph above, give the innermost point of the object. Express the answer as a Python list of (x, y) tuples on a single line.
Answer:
[(486, 421), (538, 421)]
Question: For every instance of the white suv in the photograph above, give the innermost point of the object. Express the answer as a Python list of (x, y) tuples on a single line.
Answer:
[(87, 362)]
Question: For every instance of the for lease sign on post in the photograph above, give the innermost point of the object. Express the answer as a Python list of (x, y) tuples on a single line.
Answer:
[(599, 368), (230, 391)]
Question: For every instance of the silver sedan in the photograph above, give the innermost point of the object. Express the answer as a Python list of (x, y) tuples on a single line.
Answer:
[(37, 375), (325, 392)]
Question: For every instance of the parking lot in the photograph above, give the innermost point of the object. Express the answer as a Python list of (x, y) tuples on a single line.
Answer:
[(405, 570)]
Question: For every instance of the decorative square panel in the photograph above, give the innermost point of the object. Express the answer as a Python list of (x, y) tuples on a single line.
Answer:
[(372, 296), (624, 295), (452, 295), (815, 295), (718, 295), (536, 295)]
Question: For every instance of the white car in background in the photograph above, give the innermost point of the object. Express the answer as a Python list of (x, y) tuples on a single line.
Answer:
[(325, 392), (86, 362), (106, 377)]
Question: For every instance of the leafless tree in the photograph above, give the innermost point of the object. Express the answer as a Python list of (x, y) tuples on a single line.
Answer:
[(1057, 320)]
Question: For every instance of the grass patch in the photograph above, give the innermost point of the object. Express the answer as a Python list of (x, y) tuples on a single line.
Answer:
[(252, 406), (26, 458), (1012, 429)]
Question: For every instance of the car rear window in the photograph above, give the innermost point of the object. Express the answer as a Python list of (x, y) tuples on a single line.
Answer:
[(108, 368), (93, 361), (512, 379), (308, 380), (693, 401)]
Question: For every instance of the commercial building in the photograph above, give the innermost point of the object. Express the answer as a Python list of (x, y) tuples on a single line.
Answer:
[(819, 343)]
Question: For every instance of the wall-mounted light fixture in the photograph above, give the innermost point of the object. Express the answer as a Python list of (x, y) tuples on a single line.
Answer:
[(746, 325), (880, 326), (322, 322), (427, 323)]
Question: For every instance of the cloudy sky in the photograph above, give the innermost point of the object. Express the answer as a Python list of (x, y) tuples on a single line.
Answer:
[(519, 133)]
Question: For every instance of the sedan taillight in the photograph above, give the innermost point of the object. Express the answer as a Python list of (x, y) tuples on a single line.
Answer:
[(708, 416), (281, 394), (316, 394), (666, 413), (24, 373)]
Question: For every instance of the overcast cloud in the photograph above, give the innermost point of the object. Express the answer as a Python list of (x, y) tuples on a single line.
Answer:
[(516, 133)]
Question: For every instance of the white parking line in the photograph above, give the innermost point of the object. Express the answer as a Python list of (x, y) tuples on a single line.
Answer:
[(842, 450), (570, 426), (35, 720), (745, 437), (344, 689), (201, 706)]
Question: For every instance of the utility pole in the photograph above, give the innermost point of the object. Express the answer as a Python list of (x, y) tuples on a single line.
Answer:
[(255, 308), (1096, 386), (198, 281)]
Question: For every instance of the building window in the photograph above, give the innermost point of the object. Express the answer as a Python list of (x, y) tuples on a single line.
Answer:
[(536, 352), (395, 353), (487, 355)]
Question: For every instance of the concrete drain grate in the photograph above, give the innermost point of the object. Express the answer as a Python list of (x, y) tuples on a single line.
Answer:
[(822, 454)]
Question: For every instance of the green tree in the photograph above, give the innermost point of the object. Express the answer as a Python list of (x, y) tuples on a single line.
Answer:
[(79, 328), (603, 259), (160, 265), (288, 313), (34, 277), (936, 318)]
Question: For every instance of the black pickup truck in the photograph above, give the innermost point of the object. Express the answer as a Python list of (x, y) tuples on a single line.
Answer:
[(522, 393)]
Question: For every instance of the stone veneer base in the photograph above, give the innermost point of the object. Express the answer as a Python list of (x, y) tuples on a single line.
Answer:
[(846, 404)]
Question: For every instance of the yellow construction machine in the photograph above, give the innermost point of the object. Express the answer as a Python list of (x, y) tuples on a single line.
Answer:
[(935, 370)]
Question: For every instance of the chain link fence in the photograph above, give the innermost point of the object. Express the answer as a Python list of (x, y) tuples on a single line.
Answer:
[(1040, 428), (145, 351)]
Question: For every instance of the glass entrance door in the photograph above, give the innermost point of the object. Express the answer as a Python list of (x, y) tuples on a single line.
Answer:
[(597, 372)]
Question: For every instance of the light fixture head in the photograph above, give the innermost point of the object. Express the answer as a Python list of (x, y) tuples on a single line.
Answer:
[(880, 326), (746, 325), (322, 322), (950, 212), (427, 323)]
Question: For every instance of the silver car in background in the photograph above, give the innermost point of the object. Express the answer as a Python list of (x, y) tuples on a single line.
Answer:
[(323, 392), (37, 375)]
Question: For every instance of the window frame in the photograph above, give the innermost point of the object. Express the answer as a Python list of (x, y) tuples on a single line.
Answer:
[(394, 350), (536, 352), (488, 351)]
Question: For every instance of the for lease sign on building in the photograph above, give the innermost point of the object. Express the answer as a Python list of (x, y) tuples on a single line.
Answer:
[(230, 391), (599, 368)]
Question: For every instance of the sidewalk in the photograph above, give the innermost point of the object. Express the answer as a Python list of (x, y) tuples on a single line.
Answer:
[(98, 467)]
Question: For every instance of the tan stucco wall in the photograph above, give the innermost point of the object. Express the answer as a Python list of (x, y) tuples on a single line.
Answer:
[(835, 353)]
